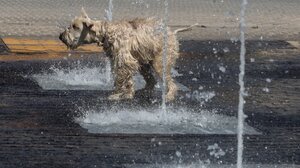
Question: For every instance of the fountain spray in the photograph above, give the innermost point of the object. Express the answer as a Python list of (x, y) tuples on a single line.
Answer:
[(165, 55), (242, 87)]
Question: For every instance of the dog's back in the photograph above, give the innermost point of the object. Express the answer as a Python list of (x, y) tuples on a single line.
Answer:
[(138, 22)]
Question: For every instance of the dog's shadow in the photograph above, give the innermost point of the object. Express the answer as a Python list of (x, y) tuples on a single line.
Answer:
[(146, 98)]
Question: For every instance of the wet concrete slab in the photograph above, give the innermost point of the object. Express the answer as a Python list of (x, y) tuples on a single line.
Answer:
[(38, 129)]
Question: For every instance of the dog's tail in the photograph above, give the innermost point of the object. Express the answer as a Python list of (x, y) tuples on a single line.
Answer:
[(185, 29)]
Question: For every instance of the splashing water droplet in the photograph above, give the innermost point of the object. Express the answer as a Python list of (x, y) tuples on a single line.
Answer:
[(222, 68), (226, 50), (267, 90)]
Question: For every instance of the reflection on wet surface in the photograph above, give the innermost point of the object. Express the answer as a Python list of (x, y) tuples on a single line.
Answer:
[(72, 117), (116, 119)]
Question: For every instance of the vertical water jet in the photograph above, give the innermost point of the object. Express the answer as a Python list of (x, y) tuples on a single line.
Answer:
[(108, 16), (242, 86), (108, 11), (165, 54)]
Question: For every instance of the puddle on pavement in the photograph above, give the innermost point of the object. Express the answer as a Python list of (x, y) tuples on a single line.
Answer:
[(155, 121), (134, 121)]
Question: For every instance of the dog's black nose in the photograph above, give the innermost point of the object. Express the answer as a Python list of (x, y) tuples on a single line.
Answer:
[(61, 36)]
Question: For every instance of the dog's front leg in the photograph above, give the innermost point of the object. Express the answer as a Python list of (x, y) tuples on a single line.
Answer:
[(124, 68)]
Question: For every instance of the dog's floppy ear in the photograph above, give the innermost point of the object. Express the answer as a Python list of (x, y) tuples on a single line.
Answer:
[(83, 13)]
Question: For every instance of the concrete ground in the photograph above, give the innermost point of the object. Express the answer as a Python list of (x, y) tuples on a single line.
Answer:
[(37, 127), (219, 19)]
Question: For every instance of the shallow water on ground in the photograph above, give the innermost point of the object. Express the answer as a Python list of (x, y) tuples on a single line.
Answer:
[(154, 121), (120, 119)]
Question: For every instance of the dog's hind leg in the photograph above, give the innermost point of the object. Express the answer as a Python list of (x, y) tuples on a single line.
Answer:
[(146, 72), (171, 86), (157, 64)]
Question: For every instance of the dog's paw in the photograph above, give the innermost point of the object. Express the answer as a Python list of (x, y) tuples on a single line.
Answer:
[(120, 96), (170, 97), (127, 96), (115, 96)]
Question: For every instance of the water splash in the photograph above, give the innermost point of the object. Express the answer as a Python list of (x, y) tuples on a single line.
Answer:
[(77, 78), (153, 120), (241, 115), (108, 73), (216, 151), (84, 77)]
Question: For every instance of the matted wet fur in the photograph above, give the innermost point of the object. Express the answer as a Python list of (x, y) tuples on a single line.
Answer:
[(133, 45)]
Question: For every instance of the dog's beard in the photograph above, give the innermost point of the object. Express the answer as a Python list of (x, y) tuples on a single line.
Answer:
[(69, 42), (74, 42)]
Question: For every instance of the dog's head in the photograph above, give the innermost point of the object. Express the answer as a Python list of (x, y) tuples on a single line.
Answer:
[(81, 31)]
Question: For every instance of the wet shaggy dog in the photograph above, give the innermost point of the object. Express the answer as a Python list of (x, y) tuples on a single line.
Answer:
[(133, 45)]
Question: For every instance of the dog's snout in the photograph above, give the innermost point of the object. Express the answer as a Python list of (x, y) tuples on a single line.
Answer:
[(61, 36)]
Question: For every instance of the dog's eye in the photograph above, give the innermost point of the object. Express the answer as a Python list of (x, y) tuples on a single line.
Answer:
[(74, 27)]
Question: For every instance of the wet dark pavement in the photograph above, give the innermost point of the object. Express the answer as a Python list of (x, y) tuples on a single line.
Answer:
[(37, 127)]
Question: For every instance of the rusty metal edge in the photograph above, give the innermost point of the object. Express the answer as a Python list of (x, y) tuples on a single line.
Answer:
[(6, 49)]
